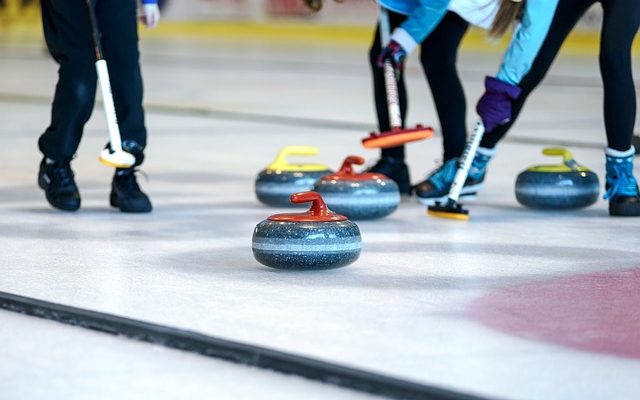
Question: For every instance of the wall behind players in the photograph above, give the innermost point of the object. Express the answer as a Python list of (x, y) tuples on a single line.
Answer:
[(359, 12), (349, 12)]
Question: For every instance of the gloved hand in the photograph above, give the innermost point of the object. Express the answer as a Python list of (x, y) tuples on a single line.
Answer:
[(494, 107), (150, 14), (395, 52)]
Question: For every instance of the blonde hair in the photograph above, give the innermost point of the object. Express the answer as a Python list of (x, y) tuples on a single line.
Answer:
[(316, 5), (508, 12)]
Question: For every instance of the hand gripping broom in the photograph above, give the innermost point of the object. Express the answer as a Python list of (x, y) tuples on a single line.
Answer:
[(396, 136)]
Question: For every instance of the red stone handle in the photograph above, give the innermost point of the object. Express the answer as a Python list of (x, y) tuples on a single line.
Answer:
[(347, 165), (318, 206), (319, 212)]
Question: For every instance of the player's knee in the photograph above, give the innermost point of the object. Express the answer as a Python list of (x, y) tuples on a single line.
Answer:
[(615, 60)]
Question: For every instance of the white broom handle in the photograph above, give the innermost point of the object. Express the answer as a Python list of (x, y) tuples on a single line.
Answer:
[(390, 83), (109, 108), (385, 28), (465, 163)]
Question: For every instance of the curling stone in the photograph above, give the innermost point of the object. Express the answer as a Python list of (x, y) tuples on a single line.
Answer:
[(316, 239), (564, 186), (276, 183), (358, 196)]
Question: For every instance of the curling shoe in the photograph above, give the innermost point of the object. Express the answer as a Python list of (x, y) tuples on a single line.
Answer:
[(437, 185), (57, 180), (126, 193), (395, 169), (621, 187)]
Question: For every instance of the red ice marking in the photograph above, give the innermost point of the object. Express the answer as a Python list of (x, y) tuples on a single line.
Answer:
[(598, 312)]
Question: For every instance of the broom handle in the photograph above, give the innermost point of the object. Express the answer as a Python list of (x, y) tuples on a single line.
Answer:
[(95, 32), (104, 82), (390, 83), (109, 108), (465, 163)]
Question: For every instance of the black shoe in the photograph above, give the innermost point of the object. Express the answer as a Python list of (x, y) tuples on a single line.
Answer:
[(624, 206), (56, 179), (394, 169), (636, 143), (126, 194)]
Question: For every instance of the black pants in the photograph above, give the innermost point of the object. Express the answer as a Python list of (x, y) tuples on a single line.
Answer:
[(438, 57), (68, 35), (619, 27)]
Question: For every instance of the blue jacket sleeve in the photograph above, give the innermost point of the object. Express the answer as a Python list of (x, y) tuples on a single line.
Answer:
[(149, 1), (420, 23), (527, 40)]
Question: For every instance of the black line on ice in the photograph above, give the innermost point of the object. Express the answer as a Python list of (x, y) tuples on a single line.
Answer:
[(285, 120), (241, 353)]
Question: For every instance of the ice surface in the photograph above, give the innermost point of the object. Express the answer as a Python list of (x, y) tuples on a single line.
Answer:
[(402, 309), (46, 360)]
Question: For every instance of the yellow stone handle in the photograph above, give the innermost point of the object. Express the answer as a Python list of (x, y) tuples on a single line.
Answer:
[(559, 151), (281, 163), (568, 162)]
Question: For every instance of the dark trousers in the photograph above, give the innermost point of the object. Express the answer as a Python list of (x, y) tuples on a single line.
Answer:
[(619, 27), (438, 56), (68, 35)]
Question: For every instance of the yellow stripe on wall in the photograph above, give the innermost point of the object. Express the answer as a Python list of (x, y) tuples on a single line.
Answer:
[(14, 12), (580, 42), (288, 33)]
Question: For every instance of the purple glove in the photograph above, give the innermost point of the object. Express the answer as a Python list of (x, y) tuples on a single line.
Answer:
[(494, 107), (395, 52)]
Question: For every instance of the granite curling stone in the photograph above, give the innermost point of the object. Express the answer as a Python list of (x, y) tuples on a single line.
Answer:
[(564, 186), (359, 196), (276, 183), (312, 240)]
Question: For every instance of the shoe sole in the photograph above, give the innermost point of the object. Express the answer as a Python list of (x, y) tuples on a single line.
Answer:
[(432, 201), (113, 201), (468, 193), (633, 210)]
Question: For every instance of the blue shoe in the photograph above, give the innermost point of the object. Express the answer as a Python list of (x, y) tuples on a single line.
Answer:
[(621, 187), (436, 187)]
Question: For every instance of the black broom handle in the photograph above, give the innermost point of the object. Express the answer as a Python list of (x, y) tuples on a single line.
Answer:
[(95, 32)]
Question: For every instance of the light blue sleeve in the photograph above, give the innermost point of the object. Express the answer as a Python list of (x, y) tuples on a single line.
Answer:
[(424, 18), (527, 40)]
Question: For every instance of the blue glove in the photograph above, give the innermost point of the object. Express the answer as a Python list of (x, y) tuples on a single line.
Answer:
[(395, 53), (494, 107)]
